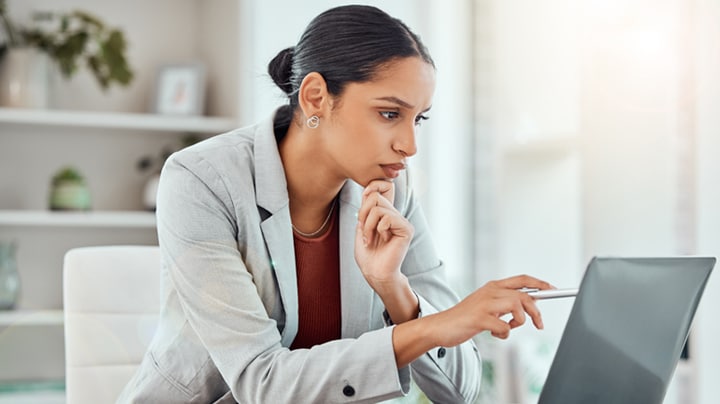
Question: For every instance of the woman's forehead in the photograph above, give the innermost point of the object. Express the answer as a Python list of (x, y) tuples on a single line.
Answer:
[(409, 80)]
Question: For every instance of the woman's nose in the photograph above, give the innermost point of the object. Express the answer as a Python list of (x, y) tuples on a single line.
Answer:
[(405, 142)]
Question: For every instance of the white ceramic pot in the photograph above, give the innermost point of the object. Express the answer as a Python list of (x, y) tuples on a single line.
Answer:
[(150, 192), (24, 78)]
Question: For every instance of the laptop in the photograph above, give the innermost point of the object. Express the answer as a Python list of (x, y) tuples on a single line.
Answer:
[(626, 330)]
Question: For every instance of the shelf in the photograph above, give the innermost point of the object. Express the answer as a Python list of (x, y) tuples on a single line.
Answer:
[(31, 317), (44, 218), (113, 120)]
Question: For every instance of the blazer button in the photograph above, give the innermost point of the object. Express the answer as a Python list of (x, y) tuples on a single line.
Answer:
[(349, 391), (441, 352)]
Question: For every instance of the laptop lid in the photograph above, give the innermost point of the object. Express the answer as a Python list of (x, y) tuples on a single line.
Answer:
[(626, 330)]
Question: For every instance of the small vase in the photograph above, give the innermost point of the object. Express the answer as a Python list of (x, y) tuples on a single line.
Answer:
[(150, 192), (70, 195), (9, 278), (24, 78)]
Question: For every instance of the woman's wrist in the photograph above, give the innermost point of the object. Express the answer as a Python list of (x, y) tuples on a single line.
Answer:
[(412, 339), (401, 302)]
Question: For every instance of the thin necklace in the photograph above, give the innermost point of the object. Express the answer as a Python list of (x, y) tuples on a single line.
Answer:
[(322, 227)]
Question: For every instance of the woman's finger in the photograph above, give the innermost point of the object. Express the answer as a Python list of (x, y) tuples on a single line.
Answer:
[(516, 304), (370, 201), (523, 281), (384, 187), (532, 310), (518, 314), (385, 223), (499, 329), (521, 302)]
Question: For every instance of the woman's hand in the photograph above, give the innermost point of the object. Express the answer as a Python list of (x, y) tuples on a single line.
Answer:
[(483, 310), (382, 238)]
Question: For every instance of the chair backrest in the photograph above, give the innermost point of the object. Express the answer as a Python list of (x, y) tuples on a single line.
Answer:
[(111, 305)]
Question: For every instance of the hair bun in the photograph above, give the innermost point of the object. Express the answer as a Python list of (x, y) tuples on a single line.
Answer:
[(280, 69)]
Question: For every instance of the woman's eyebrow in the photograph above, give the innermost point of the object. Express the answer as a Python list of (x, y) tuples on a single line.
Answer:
[(398, 101)]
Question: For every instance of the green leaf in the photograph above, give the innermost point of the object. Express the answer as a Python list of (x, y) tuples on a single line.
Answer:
[(64, 24), (88, 19), (67, 174)]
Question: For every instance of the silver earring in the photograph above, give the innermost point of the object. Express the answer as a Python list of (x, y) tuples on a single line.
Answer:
[(313, 122)]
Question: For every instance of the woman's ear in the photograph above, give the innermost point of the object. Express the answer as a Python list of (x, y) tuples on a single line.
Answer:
[(313, 96)]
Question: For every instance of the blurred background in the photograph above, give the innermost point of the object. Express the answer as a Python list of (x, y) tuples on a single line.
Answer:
[(560, 130)]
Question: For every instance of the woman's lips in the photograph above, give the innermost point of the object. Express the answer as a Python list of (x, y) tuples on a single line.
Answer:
[(392, 170)]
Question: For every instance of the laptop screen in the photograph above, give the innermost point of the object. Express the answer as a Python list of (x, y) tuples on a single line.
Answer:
[(626, 330)]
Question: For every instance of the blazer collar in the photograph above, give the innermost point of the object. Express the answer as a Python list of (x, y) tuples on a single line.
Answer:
[(270, 183)]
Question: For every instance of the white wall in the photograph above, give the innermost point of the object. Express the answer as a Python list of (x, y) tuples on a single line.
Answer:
[(530, 120), (629, 116)]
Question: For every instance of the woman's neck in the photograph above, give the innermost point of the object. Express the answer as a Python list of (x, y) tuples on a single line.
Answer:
[(312, 184)]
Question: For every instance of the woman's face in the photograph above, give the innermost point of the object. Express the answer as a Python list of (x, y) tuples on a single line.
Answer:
[(371, 130)]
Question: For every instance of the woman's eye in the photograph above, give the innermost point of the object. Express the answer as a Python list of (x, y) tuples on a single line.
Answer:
[(390, 115), (420, 118)]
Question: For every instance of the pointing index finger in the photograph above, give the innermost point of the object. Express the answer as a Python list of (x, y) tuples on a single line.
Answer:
[(524, 282)]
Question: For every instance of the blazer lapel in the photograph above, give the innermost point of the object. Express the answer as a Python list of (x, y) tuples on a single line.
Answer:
[(279, 241), (355, 294), (271, 195)]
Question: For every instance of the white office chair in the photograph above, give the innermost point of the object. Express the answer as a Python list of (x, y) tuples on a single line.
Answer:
[(112, 303)]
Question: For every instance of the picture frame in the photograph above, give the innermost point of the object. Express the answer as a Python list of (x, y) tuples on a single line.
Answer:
[(180, 89)]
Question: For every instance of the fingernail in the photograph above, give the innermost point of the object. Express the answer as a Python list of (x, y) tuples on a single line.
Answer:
[(365, 242)]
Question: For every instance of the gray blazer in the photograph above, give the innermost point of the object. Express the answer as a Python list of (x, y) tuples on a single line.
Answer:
[(230, 304)]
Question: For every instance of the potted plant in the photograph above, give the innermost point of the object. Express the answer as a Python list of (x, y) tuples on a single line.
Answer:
[(69, 40), (68, 191)]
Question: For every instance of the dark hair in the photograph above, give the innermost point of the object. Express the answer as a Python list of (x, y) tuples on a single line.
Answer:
[(345, 44)]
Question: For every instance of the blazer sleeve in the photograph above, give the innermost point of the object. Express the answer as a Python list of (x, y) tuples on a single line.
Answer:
[(445, 375), (197, 232)]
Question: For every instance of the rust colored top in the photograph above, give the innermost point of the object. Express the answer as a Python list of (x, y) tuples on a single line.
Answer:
[(317, 262)]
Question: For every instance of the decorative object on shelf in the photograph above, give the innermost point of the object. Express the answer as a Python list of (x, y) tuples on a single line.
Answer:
[(180, 89), (69, 191), (154, 165), (150, 192), (24, 78), (9, 278), (77, 37)]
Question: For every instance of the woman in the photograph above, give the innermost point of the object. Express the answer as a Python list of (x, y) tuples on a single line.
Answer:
[(297, 263)]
